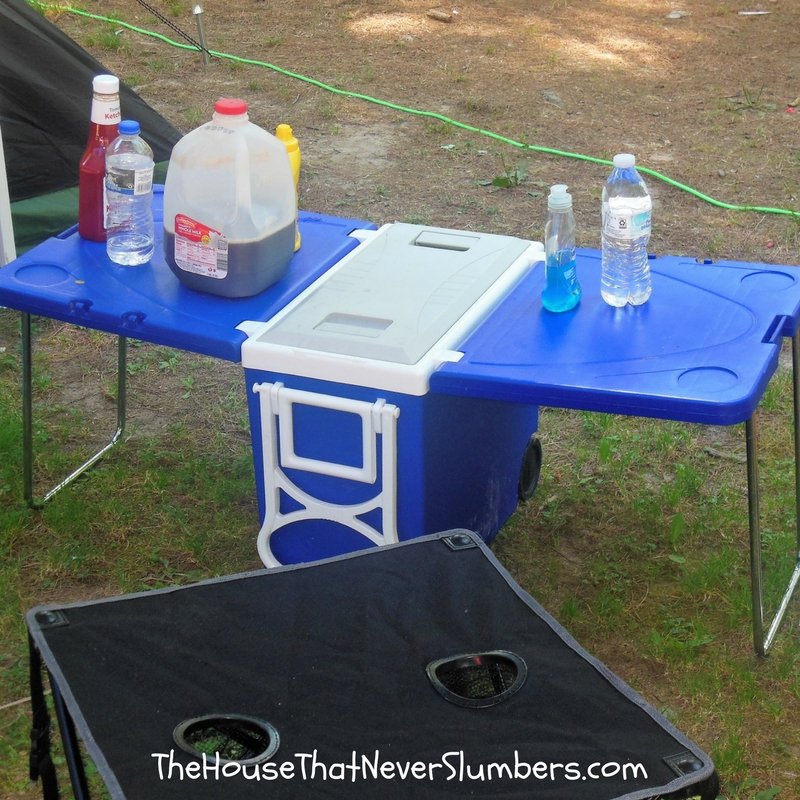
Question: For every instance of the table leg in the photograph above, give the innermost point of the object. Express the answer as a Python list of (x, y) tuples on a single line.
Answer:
[(762, 642), (27, 415), (40, 764), (69, 738)]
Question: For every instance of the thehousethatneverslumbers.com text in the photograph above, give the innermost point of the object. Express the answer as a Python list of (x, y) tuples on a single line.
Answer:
[(451, 766)]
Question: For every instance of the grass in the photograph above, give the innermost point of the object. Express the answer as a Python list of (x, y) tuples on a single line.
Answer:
[(751, 100), (159, 509), (106, 38), (636, 539), (195, 116)]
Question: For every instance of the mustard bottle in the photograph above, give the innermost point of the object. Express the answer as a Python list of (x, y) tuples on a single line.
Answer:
[(284, 133)]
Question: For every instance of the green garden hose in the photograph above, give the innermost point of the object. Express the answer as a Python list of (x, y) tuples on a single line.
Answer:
[(419, 112)]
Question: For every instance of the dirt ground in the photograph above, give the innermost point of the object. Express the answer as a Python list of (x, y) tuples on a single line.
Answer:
[(697, 90), (702, 93)]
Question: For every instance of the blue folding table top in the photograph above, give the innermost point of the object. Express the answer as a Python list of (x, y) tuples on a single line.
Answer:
[(701, 350), (70, 279)]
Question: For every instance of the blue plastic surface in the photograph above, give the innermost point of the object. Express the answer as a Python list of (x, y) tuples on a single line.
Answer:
[(72, 280), (701, 350)]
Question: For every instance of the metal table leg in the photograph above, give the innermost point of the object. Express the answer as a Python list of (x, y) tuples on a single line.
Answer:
[(762, 642), (27, 415), (69, 739), (40, 762)]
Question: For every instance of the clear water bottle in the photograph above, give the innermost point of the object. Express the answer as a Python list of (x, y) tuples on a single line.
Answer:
[(129, 197), (626, 223), (562, 290)]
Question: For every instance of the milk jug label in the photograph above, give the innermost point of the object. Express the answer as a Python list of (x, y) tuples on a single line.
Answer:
[(200, 249)]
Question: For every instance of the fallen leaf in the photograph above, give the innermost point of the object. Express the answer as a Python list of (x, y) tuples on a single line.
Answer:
[(441, 16), (551, 96)]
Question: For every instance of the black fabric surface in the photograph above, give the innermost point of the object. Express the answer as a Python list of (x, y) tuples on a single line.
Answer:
[(46, 100), (334, 656)]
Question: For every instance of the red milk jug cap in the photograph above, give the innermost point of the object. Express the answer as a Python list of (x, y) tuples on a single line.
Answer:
[(231, 106)]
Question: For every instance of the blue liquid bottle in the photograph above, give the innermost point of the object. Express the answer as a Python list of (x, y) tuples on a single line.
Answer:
[(562, 290)]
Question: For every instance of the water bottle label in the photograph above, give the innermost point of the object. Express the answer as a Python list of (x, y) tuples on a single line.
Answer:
[(143, 181), (200, 249), (624, 224), (130, 181)]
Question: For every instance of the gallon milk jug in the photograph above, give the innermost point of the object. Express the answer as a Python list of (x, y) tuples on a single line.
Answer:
[(229, 206)]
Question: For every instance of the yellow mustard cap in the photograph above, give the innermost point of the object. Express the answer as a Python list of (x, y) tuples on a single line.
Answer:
[(284, 133)]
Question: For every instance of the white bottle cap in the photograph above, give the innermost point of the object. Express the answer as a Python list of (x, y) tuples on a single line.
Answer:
[(559, 197), (105, 84), (624, 160)]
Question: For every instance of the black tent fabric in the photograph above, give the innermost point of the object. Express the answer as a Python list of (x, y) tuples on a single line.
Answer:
[(339, 658), (45, 102)]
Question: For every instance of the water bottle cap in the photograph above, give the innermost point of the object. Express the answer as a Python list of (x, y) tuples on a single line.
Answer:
[(624, 160), (105, 84), (230, 106), (559, 197), (129, 127)]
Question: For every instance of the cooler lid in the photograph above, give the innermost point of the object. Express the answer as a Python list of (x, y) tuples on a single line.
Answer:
[(399, 294)]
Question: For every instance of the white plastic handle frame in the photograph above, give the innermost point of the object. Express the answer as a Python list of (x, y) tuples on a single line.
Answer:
[(370, 425), (378, 418)]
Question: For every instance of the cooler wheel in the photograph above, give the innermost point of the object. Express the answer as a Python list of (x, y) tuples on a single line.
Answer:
[(531, 467)]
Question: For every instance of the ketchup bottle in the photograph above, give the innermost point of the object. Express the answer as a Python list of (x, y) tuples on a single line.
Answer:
[(103, 130)]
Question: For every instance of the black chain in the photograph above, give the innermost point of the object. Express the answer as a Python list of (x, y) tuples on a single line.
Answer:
[(170, 24)]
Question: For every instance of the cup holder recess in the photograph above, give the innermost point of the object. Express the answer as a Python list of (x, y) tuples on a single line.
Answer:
[(235, 737), (478, 680)]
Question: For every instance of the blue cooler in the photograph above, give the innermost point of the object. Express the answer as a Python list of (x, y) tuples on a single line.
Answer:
[(350, 448)]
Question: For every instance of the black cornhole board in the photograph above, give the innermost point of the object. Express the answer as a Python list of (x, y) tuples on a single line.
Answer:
[(334, 656)]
